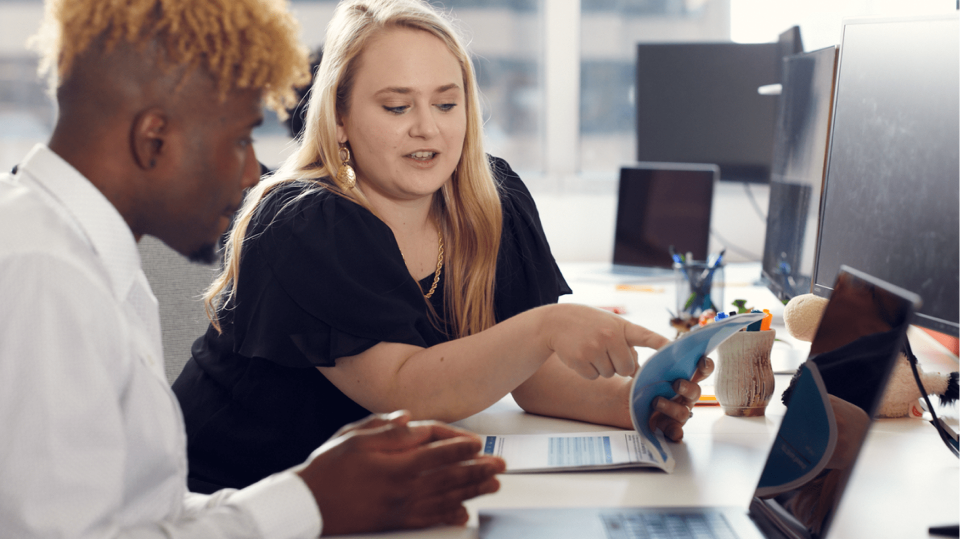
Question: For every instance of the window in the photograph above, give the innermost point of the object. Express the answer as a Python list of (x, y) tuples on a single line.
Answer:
[(609, 33), (504, 37), (556, 76)]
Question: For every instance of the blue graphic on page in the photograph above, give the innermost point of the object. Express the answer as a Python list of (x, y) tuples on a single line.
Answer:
[(674, 361), (579, 451)]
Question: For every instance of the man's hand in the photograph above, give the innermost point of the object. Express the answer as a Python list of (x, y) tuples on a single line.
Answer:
[(387, 472), (669, 415)]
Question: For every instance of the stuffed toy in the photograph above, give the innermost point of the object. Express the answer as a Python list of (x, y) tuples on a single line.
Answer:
[(901, 398)]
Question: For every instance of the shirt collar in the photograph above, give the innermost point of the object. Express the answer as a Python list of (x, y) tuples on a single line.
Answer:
[(101, 223)]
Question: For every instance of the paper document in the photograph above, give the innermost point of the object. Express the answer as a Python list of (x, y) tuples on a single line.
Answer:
[(621, 449), (569, 452)]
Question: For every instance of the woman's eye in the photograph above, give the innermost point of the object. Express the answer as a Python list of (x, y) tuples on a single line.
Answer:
[(396, 110), (447, 107)]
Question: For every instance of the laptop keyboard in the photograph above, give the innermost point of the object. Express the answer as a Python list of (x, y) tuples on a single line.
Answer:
[(666, 526)]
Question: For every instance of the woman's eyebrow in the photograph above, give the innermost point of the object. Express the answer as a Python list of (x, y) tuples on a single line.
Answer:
[(447, 88), (404, 90)]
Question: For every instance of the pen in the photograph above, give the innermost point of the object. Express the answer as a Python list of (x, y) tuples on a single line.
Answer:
[(948, 531), (719, 258), (677, 259)]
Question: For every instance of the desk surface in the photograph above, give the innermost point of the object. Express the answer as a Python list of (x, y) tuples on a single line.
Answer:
[(904, 482)]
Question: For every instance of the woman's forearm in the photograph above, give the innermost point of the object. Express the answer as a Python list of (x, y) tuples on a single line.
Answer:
[(448, 381), (556, 391), (459, 378)]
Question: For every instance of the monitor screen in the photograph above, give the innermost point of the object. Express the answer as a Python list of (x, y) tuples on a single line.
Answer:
[(799, 155), (830, 403), (698, 103), (891, 196), (659, 206)]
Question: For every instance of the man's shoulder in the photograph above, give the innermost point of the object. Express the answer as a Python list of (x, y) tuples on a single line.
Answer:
[(29, 225)]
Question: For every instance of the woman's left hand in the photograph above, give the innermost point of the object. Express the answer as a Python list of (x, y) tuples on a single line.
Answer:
[(669, 415)]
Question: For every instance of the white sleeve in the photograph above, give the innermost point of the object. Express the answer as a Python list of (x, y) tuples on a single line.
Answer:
[(65, 387), (280, 504)]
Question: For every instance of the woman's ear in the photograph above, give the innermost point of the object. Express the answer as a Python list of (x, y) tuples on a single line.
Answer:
[(341, 133), (148, 137)]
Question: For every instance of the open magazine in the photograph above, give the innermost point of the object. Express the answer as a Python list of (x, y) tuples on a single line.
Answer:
[(620, 448)]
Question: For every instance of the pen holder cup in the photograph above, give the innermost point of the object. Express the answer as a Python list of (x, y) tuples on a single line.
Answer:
[(744, 379), (699, 287)]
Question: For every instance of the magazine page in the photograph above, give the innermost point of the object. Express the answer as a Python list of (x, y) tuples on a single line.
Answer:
[(605, 450), (674, 361)]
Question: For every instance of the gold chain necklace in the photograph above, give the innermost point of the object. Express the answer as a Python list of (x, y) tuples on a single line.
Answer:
[(436, 276)]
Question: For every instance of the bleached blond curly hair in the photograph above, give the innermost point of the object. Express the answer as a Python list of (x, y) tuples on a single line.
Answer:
[(243, 44)]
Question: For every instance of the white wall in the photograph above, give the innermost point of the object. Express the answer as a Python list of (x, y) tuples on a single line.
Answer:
[(579, 226)]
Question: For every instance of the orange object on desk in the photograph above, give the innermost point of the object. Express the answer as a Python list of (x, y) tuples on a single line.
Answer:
[(767, 318), (639, 288), (707, 400)]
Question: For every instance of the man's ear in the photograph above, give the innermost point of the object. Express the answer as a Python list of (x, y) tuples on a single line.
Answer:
[(148, 137)]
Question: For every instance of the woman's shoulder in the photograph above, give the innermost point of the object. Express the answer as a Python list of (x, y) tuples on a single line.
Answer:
[(306, 205), (306, 225), (527, 274), (515, 197), (507, 179)]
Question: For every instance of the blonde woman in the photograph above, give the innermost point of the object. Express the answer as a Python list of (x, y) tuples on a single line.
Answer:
[(391, 264)]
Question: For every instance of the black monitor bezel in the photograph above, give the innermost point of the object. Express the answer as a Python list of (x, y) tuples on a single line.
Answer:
[(730, 170), (825, 291), (769, 279)]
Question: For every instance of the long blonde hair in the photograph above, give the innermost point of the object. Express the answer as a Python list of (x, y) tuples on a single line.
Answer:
[(467, 207)]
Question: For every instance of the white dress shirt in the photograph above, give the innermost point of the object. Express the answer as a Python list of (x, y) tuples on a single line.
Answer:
[(92, 442)]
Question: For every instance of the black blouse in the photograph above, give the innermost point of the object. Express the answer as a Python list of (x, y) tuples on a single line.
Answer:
[(323, 278)]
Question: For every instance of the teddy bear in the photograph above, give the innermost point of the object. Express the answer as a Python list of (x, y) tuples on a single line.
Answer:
[(802, 316)]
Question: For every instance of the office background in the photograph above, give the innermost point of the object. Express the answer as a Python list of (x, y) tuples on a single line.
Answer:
[(558, 80)]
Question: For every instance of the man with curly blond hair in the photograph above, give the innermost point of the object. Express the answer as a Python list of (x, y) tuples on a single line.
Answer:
[(157, 101)]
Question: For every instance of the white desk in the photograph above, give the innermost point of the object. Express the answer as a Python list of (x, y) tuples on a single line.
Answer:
[(905, 480)]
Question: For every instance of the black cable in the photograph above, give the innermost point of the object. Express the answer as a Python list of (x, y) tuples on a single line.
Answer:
[(753, 200), (948, 440), (729, 246)]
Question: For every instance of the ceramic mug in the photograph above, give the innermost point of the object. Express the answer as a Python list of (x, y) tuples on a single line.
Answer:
[(744, 377)]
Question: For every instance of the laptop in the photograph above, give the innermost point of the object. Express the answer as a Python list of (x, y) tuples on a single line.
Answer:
[(830, 405), (659, 206)]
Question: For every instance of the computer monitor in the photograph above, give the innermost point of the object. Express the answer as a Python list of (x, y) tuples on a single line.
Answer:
[(698, 103), (799, 155), (790, 43), (891, 197), (662, 206)]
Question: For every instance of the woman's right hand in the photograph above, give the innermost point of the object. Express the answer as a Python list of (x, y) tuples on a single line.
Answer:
[(594, 342)]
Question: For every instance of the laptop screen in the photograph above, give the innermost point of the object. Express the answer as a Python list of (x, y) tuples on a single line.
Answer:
[(662, 205), (830, 403)]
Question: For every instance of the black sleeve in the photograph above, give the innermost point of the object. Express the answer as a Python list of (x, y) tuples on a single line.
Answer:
[(322, 278), (527, 274)]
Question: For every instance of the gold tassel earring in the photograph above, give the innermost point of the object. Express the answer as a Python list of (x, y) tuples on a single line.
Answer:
[(346, 175)]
